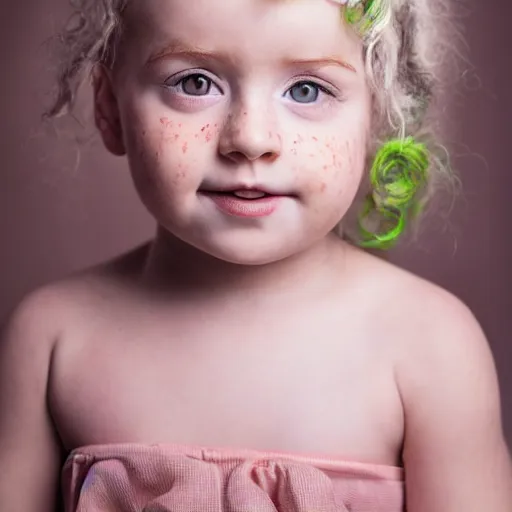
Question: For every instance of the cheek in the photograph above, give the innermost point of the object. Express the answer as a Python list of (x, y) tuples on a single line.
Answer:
[(331, 167), (169, 153), (181, 143)]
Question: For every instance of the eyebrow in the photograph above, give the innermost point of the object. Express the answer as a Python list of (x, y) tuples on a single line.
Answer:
[(178, 49), (323, 61)]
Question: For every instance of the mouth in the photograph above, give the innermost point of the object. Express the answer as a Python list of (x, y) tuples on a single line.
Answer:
[(249, 195), (247, 192), (245, 202)]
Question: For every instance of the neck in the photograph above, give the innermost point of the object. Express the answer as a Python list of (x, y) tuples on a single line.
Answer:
[(172, 266)]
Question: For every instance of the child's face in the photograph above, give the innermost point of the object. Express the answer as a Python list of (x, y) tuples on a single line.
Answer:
[(215, 95)]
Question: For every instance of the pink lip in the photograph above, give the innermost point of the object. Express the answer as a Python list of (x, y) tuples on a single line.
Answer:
[(239, 207)]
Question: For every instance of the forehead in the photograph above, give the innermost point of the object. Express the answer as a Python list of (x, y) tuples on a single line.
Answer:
[(250, 28)]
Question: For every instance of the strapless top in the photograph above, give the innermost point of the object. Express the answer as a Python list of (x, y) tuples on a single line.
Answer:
[(175, 478)]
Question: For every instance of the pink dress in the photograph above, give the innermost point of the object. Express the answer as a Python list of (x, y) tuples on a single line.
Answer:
[(170, 478)]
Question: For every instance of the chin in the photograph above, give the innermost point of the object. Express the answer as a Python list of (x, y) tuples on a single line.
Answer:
[(248, 257), (250, 252)]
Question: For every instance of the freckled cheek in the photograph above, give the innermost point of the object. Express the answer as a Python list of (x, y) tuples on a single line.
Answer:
[(327, 153), (333, 170), (162, 159), (346, 156), (169, 155), (176, 135)]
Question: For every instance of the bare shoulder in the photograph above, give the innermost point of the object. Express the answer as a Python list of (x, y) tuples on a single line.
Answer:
[(46, 318), (59, 305), (454, 448), (32, 455), (439, 334), (430, 327), (434, 327), (419, 311)]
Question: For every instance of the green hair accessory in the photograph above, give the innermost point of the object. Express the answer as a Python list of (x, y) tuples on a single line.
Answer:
[(363, 14), (398, 173)]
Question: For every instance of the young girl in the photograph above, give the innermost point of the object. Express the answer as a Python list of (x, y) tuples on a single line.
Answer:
[(250, 357)]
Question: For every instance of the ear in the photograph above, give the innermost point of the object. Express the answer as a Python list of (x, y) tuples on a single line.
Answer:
[(106, 112)]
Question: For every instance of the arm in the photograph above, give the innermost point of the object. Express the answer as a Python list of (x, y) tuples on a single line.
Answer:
[(29, 450), (455, 455)]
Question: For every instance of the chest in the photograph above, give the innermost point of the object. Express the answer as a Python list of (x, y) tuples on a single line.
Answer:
[(293, 389)]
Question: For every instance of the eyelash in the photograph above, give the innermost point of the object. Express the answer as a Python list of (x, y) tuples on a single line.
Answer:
[(178, 82), (307, 80), (304, 79)]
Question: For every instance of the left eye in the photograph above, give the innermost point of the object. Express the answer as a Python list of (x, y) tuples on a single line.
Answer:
[(306, 92)]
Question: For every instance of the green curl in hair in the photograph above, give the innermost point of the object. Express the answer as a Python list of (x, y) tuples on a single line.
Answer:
[(363, 14), (399, 171)]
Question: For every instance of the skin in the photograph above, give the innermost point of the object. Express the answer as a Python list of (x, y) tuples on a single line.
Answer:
[(151, 346)]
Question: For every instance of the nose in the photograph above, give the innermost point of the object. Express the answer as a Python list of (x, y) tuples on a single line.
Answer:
[(250, 133)]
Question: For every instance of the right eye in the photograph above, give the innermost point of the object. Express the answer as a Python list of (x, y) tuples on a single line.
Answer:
[(195, 84)]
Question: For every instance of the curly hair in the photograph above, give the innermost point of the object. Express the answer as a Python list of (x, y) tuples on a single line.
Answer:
[(406, 53)]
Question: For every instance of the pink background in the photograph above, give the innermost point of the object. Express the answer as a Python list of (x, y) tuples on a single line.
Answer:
[(55, 219)]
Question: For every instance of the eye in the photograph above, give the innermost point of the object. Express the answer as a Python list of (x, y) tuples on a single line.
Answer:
[(307, 92), (195, 84)]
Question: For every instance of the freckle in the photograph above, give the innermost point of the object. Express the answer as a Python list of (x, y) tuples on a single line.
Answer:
[(203, 128), (184, 147), (325, 167), (197, 136), (176, 136), (295, 142)]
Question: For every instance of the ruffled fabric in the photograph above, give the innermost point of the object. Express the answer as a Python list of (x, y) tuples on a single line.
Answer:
[(170, 478)]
